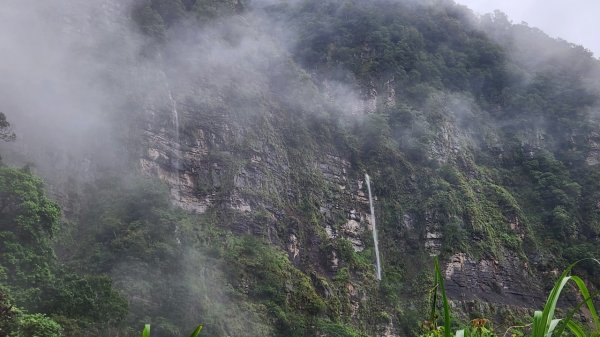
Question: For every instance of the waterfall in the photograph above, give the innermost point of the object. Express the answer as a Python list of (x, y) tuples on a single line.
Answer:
[(175, 159), (174, 115), (177, 146), (375, 240)]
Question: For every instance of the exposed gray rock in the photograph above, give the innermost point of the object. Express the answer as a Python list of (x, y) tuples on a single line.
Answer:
[(508, 282), (353, 231), (293, 246), (593, 157), (433, 235)]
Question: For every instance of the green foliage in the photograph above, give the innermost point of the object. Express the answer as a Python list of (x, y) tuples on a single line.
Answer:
[(195, 333), (28, 223), (133, 218), (38, 325), (146, 331), (14, 322), (544, 322), (27, 211), (5, 132), (331, 329), (155, 17), (9, 315), (87, 298), (411, 44), (487, 204), (272, 277), (168, 264)]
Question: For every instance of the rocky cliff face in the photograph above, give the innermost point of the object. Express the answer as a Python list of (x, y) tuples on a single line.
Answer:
[(248, 167)]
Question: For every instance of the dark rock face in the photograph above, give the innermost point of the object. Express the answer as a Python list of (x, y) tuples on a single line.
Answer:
[(248, 170), (508, 282), (312, 198)]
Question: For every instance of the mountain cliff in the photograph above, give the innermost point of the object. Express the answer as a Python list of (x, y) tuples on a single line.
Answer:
[(229, 183)]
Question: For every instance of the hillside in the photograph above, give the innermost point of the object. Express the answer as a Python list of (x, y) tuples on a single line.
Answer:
[(209, 158)]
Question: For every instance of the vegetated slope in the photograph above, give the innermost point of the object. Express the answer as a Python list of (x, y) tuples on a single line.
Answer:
[(481, 148), (497, 120)]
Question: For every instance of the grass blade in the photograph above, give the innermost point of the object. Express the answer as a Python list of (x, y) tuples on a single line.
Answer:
[(588, 301), (576, 329), (543, 323), (146, 331), (574, 310), (197, 331), (537, 323)]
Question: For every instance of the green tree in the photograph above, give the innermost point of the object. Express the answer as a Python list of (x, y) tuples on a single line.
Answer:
[(28, 222), (6, 133), (14, 322), (8, 314), (37, 325)]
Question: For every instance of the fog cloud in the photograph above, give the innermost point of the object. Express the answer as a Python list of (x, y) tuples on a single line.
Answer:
[(79, 81), (574, 21)]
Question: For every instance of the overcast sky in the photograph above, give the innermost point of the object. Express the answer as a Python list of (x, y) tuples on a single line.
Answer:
[(576, 21)]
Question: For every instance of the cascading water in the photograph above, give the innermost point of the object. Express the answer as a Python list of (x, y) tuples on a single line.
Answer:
[(175, 117), (177, 155), (375, 240)]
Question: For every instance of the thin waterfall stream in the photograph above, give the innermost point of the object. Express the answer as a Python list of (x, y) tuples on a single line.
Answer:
[(375, 239), (177, 146), (174, 116)]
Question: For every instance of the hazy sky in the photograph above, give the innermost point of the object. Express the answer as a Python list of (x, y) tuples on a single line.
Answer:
[(575, 20)]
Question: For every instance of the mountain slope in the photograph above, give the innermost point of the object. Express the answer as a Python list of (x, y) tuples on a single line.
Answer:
[(262, 120)]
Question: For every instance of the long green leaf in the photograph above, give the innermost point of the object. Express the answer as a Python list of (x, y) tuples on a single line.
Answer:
[(543, 324), (146, 331), (573, 311), (197, 331), (537, 322), (576, 329), (588, 301), (550, 307)]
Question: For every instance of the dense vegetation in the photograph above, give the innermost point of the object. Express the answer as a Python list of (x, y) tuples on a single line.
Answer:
[(474, 138), (33, 277), (524, 130)]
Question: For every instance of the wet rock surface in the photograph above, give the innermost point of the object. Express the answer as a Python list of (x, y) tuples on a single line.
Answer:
[(508, 282)]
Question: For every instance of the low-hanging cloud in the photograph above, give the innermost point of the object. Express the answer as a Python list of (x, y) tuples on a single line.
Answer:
[(77, 73)]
